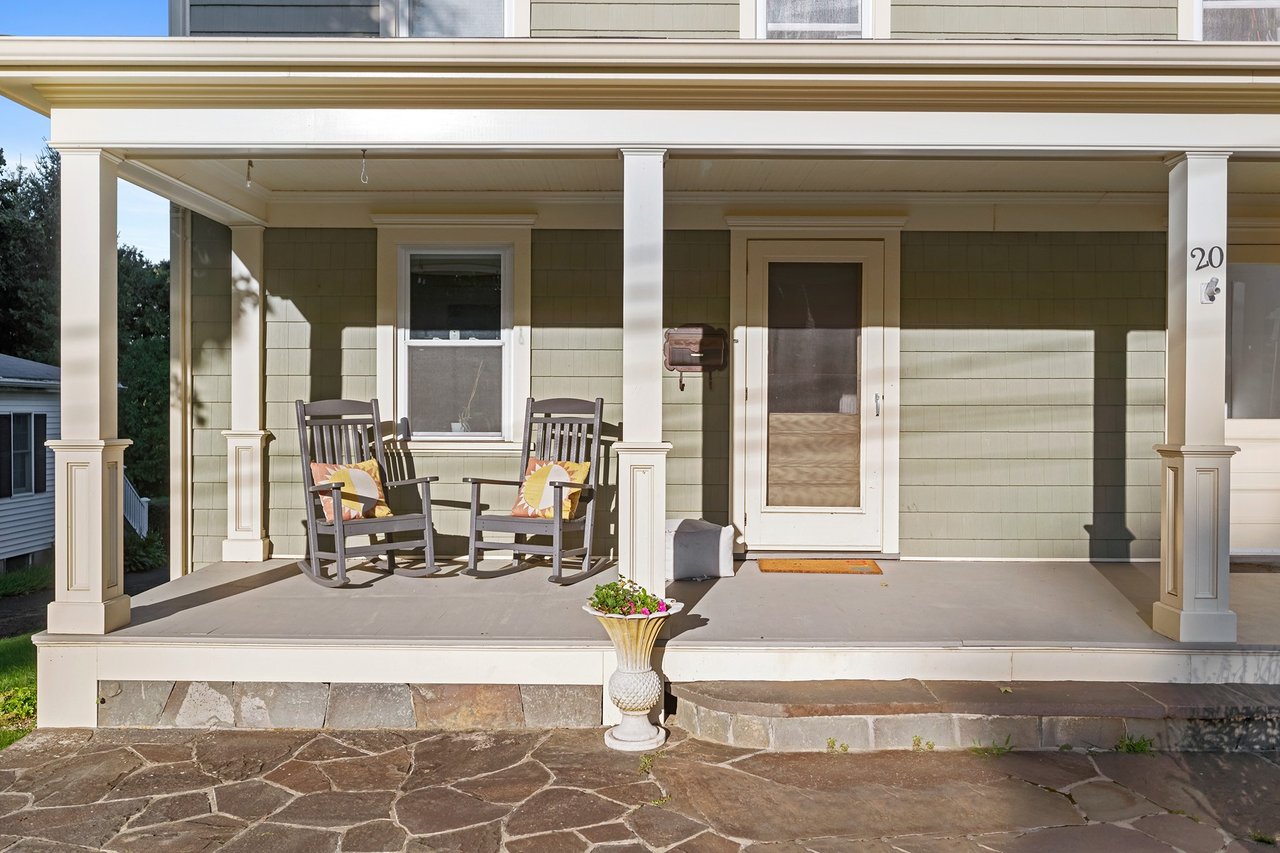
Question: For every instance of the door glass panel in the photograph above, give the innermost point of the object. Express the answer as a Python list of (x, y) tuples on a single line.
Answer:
[(1253, 341), (813, 380)]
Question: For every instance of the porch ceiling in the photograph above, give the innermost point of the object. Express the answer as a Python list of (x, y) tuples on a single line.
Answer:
[(423, 180)]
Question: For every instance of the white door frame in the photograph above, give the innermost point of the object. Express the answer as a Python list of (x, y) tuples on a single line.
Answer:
[(886, 229), (1253, 485)]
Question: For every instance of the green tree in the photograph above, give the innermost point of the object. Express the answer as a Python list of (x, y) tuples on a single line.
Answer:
[(29, 259), (144, 369)]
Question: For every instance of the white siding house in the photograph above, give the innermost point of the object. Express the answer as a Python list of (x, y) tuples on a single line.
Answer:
[(29, 416)]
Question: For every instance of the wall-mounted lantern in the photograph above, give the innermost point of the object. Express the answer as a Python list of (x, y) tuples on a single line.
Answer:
[(694, 349)]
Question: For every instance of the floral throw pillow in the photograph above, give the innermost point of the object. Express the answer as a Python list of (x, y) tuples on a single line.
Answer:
[(536, 497), (362, 495)]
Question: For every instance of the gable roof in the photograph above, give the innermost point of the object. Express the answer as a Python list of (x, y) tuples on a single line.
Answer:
[(22, 373)]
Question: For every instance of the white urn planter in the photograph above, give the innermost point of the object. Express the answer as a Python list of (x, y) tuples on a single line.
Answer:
[(634, 687)]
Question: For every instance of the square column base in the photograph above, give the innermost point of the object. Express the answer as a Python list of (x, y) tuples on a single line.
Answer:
[(1195, 532), (88, 617), (642, 513), (1187, 626), (246, 540)]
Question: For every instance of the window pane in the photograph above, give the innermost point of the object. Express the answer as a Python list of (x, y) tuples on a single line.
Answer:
[(455, 389), (455, 297), (1233, 23), (813, 19), (1253, 341), (21, 454), (814, 436), (456, 18)]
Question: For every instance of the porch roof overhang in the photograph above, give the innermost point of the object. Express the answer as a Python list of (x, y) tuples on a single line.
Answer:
[(48, 73)]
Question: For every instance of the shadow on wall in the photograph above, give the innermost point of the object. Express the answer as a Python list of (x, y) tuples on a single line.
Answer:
[(997, 299)]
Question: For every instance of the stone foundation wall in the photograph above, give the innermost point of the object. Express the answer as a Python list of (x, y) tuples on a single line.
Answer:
[(311, 705)]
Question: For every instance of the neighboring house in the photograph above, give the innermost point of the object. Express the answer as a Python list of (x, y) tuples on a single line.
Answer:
[(28, 416), (976, 260)]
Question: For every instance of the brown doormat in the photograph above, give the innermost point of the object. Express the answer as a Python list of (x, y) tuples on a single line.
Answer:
[(821, 567)]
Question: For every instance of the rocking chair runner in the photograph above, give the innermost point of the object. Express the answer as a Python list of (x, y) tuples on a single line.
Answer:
[(559, 430), (345, 432)]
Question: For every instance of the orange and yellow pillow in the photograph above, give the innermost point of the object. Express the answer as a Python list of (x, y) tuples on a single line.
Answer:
[(362, 494), (536, 498)]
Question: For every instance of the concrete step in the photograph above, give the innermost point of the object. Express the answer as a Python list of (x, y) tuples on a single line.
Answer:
[(862, 716)]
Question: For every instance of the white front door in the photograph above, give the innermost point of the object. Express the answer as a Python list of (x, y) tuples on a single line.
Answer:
[(813, 434)]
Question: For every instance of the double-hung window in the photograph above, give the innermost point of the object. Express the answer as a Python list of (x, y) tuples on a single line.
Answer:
[(812, 19), (455, 341), (22, 454), (446, 18), (1241, 20)]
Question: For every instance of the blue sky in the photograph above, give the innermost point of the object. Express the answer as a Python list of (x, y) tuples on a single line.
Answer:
[(143, 217)]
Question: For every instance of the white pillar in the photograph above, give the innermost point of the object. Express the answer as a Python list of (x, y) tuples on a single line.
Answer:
[(642, 454), (1195, 486), (246, 440), (89, 457)]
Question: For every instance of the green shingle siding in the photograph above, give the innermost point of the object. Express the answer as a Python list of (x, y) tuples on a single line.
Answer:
[(647, 19), (1032, 392), (321, 289), (210, 385), (1043, 19)]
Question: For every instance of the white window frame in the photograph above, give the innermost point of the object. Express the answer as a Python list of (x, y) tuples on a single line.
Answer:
[(29, 452), (401, 234), (506, 254), (394, 18), (866, 16)]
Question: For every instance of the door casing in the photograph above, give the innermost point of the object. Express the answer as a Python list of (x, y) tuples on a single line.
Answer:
[(887, 231)]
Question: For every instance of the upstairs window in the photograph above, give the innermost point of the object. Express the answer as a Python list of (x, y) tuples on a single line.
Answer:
[(812, 19), (446, 18), (1241, 20)]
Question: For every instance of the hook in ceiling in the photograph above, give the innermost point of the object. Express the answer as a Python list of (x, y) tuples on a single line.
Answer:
[(248, 174), (364, 172)]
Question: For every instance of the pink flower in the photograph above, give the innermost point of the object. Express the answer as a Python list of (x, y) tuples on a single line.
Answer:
[(645, 611), (662, 606)]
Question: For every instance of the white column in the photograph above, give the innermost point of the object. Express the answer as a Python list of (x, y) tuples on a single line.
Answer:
[(1194, 604), (89, 457), (246, 440), (642, 454)]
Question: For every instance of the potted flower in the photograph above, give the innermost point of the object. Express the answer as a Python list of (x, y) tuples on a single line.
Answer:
[(633, 617)]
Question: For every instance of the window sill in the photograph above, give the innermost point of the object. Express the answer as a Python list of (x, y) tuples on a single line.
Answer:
[(474, 446)]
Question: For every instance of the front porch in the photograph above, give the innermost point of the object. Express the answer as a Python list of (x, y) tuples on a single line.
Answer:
[(265, 623), (1024, 302)]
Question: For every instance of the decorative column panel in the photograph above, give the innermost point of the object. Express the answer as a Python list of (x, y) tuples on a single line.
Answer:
[(642, 454), (1195, 461), (246, 440), (89, 457)]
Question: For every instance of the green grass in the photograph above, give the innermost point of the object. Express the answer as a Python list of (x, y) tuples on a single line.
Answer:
[(17, 688), (1135, 745), (23, 581)]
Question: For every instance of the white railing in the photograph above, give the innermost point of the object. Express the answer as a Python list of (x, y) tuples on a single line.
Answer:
[(136, 509)]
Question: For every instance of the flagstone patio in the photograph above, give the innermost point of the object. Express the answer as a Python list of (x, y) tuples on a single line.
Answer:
[(560, 790)]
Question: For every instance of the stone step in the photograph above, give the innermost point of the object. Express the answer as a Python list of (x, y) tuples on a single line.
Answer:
[(863, 716)]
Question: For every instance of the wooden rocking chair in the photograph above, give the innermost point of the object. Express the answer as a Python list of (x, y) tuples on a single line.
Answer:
[(562, 430), (345, 432)]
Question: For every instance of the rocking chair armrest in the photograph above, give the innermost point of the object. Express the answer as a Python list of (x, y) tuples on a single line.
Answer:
[(558, 485), (412, 482), (321, 488), (479, 481)]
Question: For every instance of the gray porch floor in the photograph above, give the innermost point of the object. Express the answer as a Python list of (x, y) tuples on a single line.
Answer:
[(911, 604)]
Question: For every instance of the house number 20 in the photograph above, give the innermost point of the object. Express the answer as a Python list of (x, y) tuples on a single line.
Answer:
[(1207, 259)]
